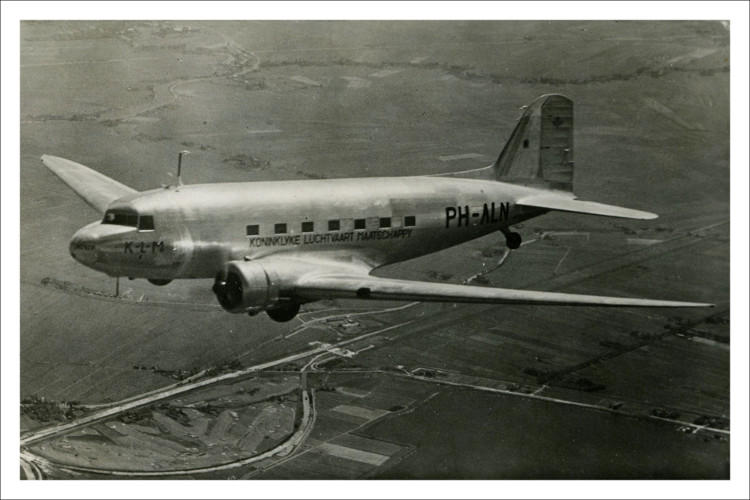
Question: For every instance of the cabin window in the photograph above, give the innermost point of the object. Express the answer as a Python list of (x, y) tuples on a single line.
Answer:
[(252, 230), (410, 221), (334, 225), (279, 228), (120, 218), (308, 227), (385, 222), (146, 223), (359, 223)]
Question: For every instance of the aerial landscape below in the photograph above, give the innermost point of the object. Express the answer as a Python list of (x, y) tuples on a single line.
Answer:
[(124, 379)]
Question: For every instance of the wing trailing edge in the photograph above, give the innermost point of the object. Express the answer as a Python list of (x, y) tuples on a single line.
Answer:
[(373, 288), (96, 189)]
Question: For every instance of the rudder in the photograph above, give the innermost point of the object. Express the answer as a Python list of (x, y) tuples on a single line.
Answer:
[(540, 149)]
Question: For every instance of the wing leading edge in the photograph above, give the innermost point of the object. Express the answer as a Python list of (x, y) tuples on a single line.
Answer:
[(370, 287), (96, 189)]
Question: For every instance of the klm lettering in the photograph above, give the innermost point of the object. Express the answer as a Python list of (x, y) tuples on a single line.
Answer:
[(143, 246)]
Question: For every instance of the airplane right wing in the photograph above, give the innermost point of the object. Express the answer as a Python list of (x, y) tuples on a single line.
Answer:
[(316, 287), (96, 189)]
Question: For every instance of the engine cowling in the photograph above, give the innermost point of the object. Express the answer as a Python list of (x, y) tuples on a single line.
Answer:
[(246, 287)]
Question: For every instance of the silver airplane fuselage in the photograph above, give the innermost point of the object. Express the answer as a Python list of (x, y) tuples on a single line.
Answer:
[(196, 229)]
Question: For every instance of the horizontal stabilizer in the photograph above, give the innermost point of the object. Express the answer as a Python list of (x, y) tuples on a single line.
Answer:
[(96, 189), (370, 287), (565, 204)]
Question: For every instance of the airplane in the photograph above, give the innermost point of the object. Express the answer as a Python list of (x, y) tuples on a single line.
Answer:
[(273, 246)]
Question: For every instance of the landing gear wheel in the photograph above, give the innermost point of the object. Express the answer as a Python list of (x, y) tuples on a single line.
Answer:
[(158, 282), (513, 240)]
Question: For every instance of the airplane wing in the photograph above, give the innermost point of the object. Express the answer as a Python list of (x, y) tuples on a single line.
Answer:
[(96, 189), (315, 287), (570, 204)]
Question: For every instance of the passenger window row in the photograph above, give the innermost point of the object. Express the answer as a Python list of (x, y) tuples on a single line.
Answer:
[(333, 225)]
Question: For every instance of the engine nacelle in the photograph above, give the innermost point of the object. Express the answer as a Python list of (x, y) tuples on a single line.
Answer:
[(246, 287)]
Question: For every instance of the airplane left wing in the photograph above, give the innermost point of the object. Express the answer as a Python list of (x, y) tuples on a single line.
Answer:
[(568, 203), (315, 287), (96, 189)]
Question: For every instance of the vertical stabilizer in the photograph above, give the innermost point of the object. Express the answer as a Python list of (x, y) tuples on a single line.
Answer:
[(540, 149)]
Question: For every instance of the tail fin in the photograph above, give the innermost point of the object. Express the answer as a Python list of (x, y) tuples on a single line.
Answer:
[(540, 150)]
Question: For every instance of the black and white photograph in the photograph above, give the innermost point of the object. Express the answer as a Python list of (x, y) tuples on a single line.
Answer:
[(449, 249)]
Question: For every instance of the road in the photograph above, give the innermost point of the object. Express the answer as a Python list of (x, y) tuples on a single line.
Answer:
[(285, 448), (536, 395)]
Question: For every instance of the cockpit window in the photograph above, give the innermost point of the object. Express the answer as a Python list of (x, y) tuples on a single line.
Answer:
[(120, 218), (130, 219)]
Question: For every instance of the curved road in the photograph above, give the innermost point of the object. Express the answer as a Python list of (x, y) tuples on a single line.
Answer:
[(289, 446)]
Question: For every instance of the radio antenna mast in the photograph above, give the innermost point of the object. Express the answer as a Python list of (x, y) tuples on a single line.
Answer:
[(179, 166)]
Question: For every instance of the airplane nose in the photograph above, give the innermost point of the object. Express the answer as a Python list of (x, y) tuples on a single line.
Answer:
[(83, 246)]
